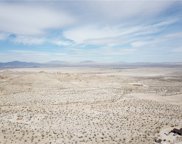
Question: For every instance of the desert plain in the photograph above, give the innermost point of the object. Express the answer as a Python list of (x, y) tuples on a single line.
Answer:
[(80, 105)]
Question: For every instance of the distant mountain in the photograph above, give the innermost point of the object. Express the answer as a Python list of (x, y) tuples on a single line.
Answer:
[(57, 62), (87, 62), (19, 64)]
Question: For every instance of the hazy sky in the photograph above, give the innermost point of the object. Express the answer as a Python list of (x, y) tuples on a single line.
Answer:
[(98, 30)]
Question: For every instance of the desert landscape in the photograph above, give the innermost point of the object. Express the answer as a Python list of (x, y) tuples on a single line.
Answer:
[(80, 105)]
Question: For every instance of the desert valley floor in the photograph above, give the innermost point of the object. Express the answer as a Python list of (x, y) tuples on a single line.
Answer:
[(90, 105)]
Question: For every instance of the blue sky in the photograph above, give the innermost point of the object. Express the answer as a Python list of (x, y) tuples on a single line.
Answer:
[(99, 30)]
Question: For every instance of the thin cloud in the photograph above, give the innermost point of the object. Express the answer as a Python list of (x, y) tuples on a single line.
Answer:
[(27, 19), (3, 36), (28, 40), (103, 35), (97, 30)]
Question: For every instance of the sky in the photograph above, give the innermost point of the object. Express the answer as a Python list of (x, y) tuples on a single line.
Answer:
[(104, 31)]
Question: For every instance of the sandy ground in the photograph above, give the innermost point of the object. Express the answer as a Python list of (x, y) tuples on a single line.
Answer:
[(90, 105)]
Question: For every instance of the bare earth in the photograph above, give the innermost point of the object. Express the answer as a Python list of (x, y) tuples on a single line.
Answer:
[(90, 105)]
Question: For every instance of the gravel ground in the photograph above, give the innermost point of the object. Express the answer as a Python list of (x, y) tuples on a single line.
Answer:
[(90, 106)]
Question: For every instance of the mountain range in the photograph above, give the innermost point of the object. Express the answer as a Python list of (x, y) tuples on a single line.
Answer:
[(21, 64)]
